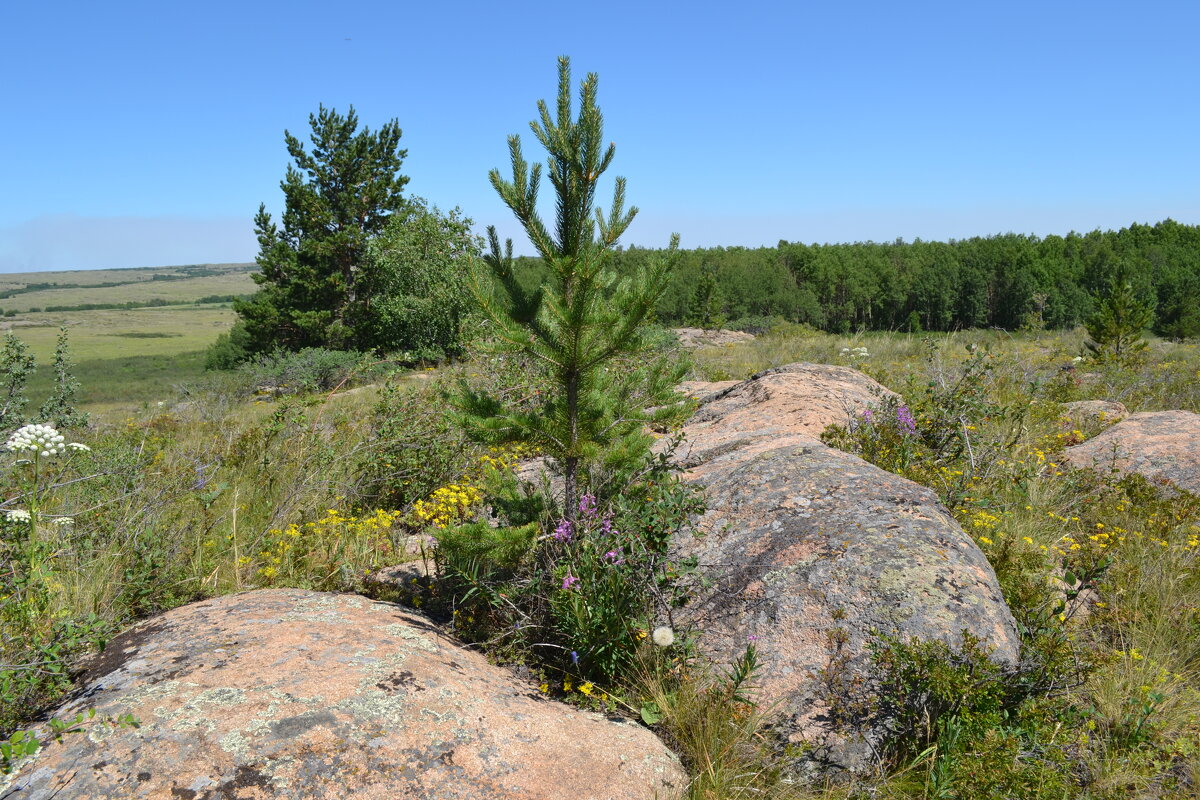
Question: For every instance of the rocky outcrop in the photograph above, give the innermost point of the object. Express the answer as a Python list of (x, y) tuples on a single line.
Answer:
[(294, 694), (1095, 411), (703, 391), (811, 552), (1164, 446), (692, 338), (781, 405)]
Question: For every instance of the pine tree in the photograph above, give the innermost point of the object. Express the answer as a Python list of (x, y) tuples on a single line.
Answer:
[(59, 409), (1120, 321), (584, 325), (337, 197)]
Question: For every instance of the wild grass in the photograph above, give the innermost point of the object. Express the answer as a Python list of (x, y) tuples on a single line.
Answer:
[(197, 501), (124, 358)]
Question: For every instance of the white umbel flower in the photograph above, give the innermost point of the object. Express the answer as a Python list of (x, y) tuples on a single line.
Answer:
[(18, 515), (663, 636), (62, 521), (42, 439)]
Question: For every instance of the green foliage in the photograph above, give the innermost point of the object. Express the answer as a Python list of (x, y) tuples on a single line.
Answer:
[(18, 365), (707, 308), (1118, 327), (337, 197), (38, 645), (312, 369), (60, 409), (580, 599), (584, 326), (417, 447), (1008, 281), (954, 712), (229, 350), (416, 273)]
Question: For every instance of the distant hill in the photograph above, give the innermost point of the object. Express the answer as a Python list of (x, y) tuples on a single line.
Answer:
[(23, 292)]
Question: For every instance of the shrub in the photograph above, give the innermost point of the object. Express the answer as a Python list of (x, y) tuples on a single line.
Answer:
[(312, 369)]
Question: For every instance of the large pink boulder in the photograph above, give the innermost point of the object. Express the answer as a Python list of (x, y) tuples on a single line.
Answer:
[(295, 694), (812, 553), (1164, 446)]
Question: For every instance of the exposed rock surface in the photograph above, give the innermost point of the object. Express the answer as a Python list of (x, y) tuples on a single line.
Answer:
[(794, 400), (704, 390), (293, 694), (1089, 411), (810, 550), (1164, 446), (691, 338)]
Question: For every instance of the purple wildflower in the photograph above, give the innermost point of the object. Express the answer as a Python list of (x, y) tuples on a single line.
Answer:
[(587, 506), (569, 582), (905, 421), (868, 416), (614, 557), (564, 531), (575, 658), (606, 525)]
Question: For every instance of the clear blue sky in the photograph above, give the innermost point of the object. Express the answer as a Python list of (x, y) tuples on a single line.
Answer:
[(140, 134)]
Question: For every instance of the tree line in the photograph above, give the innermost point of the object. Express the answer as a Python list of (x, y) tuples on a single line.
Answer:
[(1009, 281), (358, 264)]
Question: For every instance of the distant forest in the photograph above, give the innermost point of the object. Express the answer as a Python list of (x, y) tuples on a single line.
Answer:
[(1009, 281)]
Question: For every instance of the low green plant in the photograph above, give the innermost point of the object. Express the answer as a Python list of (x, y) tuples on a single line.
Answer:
[(572, 597), (312, 369), (417, 447), (39, 643)]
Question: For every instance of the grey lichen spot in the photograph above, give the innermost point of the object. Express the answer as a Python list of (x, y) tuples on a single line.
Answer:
[(236, 744), (318, 609), (194, 714), (153, 691), (102, 729), (391, 709), (219, 696), (292, 727), (409, 635)]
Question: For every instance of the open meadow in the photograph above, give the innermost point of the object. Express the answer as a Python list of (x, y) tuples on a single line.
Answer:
[(123, 356)]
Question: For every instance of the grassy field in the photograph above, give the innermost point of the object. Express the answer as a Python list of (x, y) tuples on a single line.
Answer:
[(170, 284), (180, 291), (123, 357)]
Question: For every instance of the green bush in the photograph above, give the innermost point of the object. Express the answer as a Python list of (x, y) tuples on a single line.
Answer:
[(229, 350), (313, 369), (416, 448)]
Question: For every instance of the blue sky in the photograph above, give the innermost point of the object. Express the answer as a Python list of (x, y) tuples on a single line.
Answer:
[(143, 134)]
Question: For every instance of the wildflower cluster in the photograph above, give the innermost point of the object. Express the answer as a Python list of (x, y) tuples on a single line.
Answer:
[(40, 440), (604, 566), (329, 552), (886, 436), (39, 443), (454, 503), (855, 355)]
